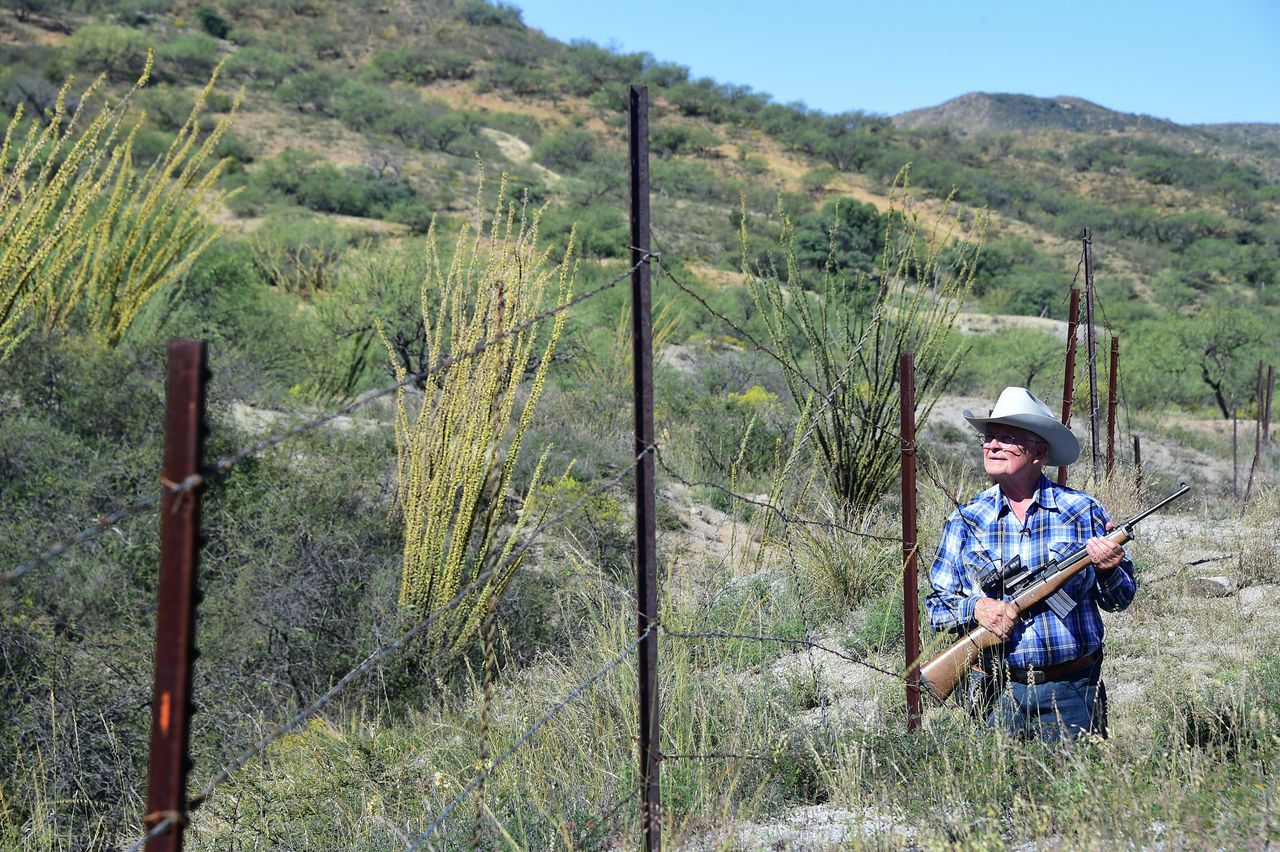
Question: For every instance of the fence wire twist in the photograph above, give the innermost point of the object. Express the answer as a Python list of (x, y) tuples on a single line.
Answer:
[(103, 524), (220, 467)]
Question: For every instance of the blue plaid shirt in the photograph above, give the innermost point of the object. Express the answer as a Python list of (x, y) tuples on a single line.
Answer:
[(986, 530)]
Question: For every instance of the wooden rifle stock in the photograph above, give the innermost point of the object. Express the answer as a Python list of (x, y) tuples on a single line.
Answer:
[(941, 674)]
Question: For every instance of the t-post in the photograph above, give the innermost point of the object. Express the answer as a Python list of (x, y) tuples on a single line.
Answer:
[(176, 595), (910, 548), (1092, 350), (646, 511), (1069, 374)]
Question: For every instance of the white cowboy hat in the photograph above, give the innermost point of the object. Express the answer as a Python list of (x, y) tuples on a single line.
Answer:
[(1020, 407)]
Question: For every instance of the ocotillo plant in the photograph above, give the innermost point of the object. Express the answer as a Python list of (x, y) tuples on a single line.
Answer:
[(457, 452), (844, 342), (85, 239)]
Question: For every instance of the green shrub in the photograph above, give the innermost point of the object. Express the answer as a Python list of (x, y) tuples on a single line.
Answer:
[(118, 52), (602, 230), (187, 57), (845, 233), (686, 179), (303, 178), (299, 254), (262, 64), (421, 65), (361, 105), (212, 21), (674, 139), (480, 13), (567, 150), (430, 127), (519, 78), (1023, 357), (308, 91)]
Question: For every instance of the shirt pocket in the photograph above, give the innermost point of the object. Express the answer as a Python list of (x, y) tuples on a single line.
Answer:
[(977, 563)]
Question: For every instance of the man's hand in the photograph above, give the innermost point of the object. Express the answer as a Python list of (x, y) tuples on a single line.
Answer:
[(1104, 553), (997, 616)]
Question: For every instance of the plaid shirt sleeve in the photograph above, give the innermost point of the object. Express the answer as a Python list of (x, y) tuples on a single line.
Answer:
[(1115, 588), (951, 603)]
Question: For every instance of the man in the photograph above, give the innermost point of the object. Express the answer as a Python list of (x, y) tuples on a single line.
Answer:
[(1046, 679)]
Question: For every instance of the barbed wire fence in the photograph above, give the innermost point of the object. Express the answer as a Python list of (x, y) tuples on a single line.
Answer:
[(223, 465), (383, 653), (785, 510), (170, 819)]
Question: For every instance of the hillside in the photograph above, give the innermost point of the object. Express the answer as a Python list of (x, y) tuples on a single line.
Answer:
[(399, 107), (980, 112), (404, 181)]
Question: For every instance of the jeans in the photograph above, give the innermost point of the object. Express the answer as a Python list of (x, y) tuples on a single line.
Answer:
[(1052, 711)]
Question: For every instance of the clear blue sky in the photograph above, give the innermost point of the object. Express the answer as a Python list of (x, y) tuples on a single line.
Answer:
[(1191, 62)]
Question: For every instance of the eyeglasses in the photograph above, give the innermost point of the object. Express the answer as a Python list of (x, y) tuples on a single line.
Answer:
[(1004, 439)]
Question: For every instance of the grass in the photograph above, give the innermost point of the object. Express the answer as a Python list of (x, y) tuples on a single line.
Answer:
[(1191, 766), (302, 565)]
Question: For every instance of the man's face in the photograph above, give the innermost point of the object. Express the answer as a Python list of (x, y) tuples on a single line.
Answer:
[(1010, 451)]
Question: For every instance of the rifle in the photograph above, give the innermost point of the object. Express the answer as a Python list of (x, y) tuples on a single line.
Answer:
[(1028, 587)]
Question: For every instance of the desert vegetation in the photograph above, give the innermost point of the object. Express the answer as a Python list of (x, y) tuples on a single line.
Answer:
[(299, 183)]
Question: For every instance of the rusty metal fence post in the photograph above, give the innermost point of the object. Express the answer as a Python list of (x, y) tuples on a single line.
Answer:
[(1091, 352), (646, 509), (1266, 415), (1069, 374), (1111, 403), (910, 556), (176, 595), (1137, 462)]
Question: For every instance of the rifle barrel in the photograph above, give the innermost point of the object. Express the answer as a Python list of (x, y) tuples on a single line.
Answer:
[(1157, 507)]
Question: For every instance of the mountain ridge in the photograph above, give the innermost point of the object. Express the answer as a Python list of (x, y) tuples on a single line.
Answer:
[(1007, 112)]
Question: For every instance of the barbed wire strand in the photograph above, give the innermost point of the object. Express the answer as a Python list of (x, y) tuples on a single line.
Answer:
[(737, 329), (766, 350), (103, 524), (814, 419), (719, 755), (781, 512), (783, 640), (227, 462), (796, 449), (525, 737), (386, 651), (828, 398)]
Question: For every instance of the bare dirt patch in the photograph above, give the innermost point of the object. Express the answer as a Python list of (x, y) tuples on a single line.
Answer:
[(517, 150), (718, 278), (969, 323), (460, 95)]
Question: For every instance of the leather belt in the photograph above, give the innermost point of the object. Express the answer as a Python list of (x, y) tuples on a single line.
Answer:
[(1065, 671)]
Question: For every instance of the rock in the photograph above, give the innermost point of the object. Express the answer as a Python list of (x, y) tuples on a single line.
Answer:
[(1212, 587), (1260, 600), (1196, 556)]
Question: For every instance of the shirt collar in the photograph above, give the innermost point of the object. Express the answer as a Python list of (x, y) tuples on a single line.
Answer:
[(1046, 497)]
